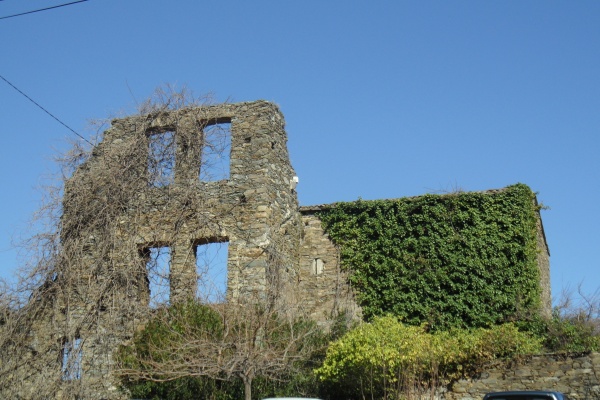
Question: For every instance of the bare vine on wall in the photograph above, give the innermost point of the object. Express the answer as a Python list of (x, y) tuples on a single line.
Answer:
[(77, 282)]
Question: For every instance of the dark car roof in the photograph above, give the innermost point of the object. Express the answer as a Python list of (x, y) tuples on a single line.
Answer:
[(525, 395)]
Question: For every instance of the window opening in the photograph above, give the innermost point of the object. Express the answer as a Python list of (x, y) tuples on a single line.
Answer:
[(211, 267), (161, 158), (158, 266), (317, 266), (71, 359), (216, 150)]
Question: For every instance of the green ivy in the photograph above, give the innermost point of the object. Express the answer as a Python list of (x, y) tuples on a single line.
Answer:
[(455, 260)]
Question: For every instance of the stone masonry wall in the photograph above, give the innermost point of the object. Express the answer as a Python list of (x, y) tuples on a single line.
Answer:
[(327, 293), (575, 376), (543, 261)]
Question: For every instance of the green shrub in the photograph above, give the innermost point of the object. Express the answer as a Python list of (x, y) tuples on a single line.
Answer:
[(186, 389)]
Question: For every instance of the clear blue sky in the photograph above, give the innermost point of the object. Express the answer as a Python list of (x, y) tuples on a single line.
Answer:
[(382, 99)]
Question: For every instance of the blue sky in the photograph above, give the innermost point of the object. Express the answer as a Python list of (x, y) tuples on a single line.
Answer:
[(383, 99)]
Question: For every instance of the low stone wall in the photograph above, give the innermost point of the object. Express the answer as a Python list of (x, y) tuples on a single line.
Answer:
[(577, 377)]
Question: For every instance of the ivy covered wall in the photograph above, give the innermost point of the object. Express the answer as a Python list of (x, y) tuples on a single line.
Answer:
[(453, 260)]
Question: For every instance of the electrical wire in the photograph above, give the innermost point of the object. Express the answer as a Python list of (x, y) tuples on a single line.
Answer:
[(43, 9), (43, 109)]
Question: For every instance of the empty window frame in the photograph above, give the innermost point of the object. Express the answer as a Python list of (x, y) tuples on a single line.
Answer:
[(161, 158), (158, 269), (216, 150), (211, 268), (71, 358), (317, 266)]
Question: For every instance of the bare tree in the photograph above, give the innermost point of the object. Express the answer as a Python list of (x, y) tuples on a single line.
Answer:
[(575, 324), (579, 305), (219, 341)]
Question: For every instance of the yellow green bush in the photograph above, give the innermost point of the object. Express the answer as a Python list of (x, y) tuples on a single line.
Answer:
[(386, 358)]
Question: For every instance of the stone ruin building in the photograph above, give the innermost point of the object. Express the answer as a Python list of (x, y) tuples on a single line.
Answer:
[(132, 197)]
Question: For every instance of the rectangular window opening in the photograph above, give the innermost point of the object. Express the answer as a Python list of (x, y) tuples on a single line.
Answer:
[(317, 266), (216, 150), (211, 267), (158, 267), (161, 158), (71, 359)]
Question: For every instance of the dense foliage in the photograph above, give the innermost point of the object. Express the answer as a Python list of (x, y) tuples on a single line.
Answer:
[(386, 358), (455, 260)]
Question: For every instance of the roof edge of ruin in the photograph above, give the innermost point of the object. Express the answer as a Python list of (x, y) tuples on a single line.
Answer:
[(226, 105), (319, 207)]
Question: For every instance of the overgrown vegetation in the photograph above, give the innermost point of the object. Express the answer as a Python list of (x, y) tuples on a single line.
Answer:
[(221, 351), (388, 359), (456, 260), (574, 326), (460, 271)]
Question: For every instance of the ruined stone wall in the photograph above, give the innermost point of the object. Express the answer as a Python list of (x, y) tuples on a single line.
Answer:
[(247, 210), (116, 209), (327, 292), (543, 260), (115, 212)]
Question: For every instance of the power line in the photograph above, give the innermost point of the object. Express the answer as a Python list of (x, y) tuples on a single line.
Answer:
[(43, 109), (43, 9)]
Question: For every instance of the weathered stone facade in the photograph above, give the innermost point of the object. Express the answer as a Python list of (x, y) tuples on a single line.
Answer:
[(575, 376), (276, 248), (255, 210), (322, 280)]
